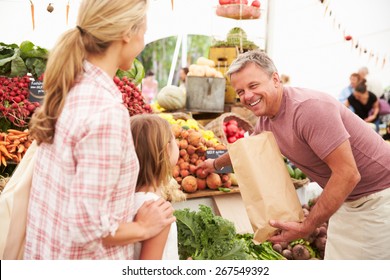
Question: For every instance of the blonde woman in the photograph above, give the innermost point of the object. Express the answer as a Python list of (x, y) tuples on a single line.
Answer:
[(158, 153), (82, 195)]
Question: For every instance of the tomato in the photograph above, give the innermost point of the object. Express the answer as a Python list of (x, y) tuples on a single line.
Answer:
[(256, 4)]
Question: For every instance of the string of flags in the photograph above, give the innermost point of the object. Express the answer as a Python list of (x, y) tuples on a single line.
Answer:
[(380, 59)]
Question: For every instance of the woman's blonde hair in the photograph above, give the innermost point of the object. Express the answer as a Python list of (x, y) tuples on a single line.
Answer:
[(151, 135), (99, 23)]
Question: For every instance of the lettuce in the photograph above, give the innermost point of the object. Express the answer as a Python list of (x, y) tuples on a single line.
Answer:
[(205, 236)]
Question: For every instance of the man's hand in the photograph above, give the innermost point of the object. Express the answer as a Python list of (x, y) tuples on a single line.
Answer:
[(207, 165), (289, 231)]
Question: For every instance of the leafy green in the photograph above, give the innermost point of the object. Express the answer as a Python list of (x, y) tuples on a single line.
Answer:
[(136, 73), (18, 68), (19, 60), (205, 236), (28, 49), (262, 251)]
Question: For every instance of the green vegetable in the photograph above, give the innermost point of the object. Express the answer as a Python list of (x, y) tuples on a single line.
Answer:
[(290, 171), (17, 61), (136, 73), (262, 251), (224, 189), (205, 236), (298, 174)]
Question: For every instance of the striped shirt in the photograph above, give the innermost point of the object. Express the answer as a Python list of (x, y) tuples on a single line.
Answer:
[(83, 184)]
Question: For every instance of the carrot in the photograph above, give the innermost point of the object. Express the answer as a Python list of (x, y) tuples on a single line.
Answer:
[(67, 12), (5, 151), (4, 161), (14, 131), (21, 148), (32, 14), (19, 136)]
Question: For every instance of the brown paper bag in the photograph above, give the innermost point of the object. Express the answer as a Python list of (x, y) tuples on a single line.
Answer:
[(265, 185), (13, 207)]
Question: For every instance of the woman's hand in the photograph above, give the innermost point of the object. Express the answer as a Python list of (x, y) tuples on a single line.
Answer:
[(154, 216)]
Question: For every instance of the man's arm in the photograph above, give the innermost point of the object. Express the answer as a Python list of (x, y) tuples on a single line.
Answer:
[(343, 180)]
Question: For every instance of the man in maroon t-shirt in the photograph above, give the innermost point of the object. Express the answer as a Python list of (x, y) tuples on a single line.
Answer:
[(330, 144)]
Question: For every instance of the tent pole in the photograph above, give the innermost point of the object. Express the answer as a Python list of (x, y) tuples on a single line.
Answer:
[(184, 48), (174, 59), (270, 24)]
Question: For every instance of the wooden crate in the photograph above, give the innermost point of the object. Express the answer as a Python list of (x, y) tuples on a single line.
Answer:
[(223, 56), (205, 94)]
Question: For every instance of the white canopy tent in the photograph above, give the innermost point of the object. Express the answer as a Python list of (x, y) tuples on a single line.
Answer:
[(304, 37)]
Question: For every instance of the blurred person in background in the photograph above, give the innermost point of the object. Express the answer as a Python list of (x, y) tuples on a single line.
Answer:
[(365, 104), (149, 87), (183, 77), (354, 79), (373, 84)]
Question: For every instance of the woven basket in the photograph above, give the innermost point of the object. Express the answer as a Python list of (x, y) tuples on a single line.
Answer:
[(217, 125), (185, 116), (181, 115), (300, 183)]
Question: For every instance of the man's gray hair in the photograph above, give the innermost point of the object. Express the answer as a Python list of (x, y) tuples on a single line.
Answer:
[(258, 57)]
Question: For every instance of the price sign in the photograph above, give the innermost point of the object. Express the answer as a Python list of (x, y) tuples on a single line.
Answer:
[(216, 154), (36, 92)]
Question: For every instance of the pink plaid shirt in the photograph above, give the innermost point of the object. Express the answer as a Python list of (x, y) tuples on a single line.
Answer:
[(83, 184)]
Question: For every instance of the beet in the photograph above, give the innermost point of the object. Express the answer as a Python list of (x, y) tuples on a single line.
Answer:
[(277, 247), (320, 243), (300, 252), (287, 254)]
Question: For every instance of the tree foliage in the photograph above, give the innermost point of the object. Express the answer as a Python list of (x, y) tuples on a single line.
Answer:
[(158, 55)]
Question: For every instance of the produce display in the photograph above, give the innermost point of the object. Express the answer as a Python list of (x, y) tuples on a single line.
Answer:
[(204, 67), (15, 108), (205, 236), (236, 37), (305, 249), (229, 127), (297, 176), (198, 240), (193, 142), (238, 9), (132, 96), (13, 145), (17, 61), (233, 131)]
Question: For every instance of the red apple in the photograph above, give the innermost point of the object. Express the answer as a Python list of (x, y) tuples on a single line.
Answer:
[(256, 4)]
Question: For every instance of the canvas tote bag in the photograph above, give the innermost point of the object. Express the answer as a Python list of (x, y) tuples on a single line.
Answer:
[(265, 184), (13, 207)]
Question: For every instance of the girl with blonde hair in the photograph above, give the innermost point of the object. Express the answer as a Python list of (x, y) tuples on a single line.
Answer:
[(82, 194), (158, 153)]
